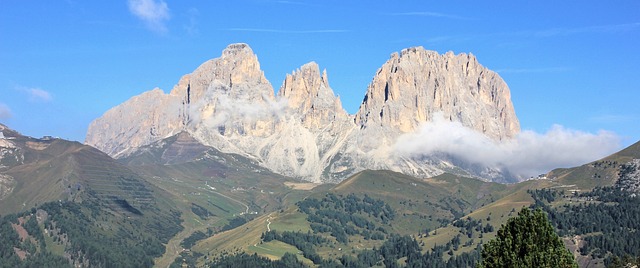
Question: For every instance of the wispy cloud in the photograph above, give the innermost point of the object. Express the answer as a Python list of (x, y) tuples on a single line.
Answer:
[(533, 70), (5, 112), (292, 3), (544, 33), (613, 118), (36, 94), (613, 28), (153, 13), (192, 27), (431, 14), (265, 30)]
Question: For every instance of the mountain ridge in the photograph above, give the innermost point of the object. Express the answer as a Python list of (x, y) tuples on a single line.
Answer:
[(303, 130)]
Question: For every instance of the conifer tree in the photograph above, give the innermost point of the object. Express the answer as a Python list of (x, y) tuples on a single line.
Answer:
[(527, 240)]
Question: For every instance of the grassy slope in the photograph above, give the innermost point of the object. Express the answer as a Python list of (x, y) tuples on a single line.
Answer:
[(491, 202), (247, 237), (404, 193), (226, 185), (57, 169), (582, 178), (422, 202), (63, 170), (602, 172)]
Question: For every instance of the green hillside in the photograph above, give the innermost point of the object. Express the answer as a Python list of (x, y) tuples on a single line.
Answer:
[(72, 203), (449, 216), (417, 206), (214, 191), (179, 203), (598, 173), (59, 170)]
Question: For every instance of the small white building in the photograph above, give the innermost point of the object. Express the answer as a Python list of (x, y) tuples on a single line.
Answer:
[(1, 135)]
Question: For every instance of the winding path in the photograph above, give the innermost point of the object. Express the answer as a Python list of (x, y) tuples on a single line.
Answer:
[(173, 247), (232, 199)]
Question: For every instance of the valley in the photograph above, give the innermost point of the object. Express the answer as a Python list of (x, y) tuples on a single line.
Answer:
[(217, 205), (222, 171)]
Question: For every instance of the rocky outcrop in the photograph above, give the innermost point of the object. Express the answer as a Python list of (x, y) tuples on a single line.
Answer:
[(303, 131), (227, 96), (316, 127), (148, 117), (415, 84), (309, 96)]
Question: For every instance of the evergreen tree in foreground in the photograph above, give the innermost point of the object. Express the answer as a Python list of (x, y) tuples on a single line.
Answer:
[(527, 240)]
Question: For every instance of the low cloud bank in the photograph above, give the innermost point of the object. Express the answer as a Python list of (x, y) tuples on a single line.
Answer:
[(217, 108), (528, 154)]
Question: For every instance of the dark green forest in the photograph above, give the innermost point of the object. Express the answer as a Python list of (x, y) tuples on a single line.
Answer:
[(87, 234), (342, 217), (339, 217), (607, 218)]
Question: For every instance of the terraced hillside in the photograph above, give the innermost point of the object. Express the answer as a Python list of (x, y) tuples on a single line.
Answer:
[(72, 203)]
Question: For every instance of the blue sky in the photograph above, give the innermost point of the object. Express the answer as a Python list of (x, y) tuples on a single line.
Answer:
[(64, 63)]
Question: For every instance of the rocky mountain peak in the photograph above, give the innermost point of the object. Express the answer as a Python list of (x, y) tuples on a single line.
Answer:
[(228, 104), (236, 71), (233, 50), (308, 93), (416, 84)]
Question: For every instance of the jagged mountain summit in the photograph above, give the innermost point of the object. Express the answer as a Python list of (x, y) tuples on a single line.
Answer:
[(303, 130)]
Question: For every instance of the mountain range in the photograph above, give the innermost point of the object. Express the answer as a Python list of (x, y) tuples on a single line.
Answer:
[(303, 131), (222, 170), (178, 202)]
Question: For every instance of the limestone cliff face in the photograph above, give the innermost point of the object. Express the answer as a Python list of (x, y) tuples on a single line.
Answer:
[(317, 126), (145, 118), (417, 84), (409, 88), (226, 96), (227, 103), (310, 97)]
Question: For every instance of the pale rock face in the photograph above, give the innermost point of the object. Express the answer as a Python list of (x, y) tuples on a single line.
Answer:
[(148, 117), (309, 95), (317, 126), (417, 84), (411, 87), (228, 96), (304, 132)]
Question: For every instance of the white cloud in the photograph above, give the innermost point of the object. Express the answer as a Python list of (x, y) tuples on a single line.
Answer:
[(528, 154), (36, 94), (238, 110), (5, 112), (217, 108), (153, 13)]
